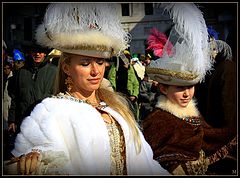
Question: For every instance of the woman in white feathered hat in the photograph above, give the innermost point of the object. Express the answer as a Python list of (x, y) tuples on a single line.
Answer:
[(84, 129), (182, 141)]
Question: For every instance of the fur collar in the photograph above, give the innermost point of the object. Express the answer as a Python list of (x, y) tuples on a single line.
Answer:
[(166, 105)]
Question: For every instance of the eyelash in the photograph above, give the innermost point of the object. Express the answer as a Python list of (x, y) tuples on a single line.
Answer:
[(87, 63)]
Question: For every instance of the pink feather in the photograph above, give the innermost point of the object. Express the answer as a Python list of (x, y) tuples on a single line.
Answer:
[(157, 41)]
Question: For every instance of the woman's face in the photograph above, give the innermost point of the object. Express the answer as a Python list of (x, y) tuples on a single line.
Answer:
[(180, 95), (86, 72)]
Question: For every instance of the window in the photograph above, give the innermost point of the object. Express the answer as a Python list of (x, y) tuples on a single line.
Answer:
[(148, 8), (125, 9)]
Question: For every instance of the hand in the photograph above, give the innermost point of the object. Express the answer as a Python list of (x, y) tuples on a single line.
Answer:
[(29, 163)]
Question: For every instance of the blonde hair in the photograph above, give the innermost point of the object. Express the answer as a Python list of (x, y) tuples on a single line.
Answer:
[(119, 103), (59, 85)]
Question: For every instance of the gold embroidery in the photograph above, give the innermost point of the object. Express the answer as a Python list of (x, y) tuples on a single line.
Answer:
[(198, 167), (89, 47), (181, 75), (118, 154)]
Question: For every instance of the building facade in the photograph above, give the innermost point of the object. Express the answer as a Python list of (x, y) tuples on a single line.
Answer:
[(21, 19)]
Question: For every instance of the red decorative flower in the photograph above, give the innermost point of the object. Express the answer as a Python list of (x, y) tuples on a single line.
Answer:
[(157, 41)]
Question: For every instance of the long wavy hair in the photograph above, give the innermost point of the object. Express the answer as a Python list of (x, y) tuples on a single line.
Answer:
[(119, 103)]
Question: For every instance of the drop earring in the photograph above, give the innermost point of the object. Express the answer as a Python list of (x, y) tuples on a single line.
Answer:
[(69, 83)]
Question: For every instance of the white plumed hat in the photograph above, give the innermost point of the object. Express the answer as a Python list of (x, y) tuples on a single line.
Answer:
[(91, 29), (184, 55)]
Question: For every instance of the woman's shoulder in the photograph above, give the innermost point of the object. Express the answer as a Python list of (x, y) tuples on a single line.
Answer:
[(56, 106), (54, 102), (47, 105), (61, 100)]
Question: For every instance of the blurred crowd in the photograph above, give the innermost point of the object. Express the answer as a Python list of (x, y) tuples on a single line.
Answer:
[(29, 75)]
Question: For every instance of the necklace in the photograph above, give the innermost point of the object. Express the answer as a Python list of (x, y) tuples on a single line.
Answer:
[(94, 104), (73, 98)]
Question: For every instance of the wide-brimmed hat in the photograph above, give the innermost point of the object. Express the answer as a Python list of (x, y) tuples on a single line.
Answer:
[(184, 53), (90, 29)]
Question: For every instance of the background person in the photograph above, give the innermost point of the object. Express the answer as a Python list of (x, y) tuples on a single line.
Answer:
[(29, 85), (124, 79), (7, 136), (215, 102), (19, 59)]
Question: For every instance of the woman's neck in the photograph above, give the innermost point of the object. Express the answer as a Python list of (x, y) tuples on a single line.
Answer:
[(91, 98)]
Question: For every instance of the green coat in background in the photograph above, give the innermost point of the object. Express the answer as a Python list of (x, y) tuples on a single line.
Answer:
[(132, 84)]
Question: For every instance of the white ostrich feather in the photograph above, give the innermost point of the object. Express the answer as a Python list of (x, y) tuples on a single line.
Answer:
[(191, 48), (70, 25)]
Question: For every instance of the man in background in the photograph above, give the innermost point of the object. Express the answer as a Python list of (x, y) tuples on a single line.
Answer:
[(29, 85)]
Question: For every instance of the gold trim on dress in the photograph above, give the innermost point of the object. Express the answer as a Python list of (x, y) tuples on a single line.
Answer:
[(118, 151)]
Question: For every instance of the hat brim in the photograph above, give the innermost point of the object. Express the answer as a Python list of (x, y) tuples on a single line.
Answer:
[(91, 43), (172, 81), (172, 77)]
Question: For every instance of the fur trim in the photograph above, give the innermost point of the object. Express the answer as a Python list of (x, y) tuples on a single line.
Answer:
[(86, 40), (167, 105), (79, 131), (83, 26)]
